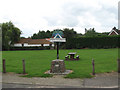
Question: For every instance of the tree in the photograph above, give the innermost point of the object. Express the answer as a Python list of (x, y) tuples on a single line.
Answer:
[(48, 34), (22, 37), (42, 35), (79, 35), (103, 34), (10, 34), (90, 32), (69, 33)]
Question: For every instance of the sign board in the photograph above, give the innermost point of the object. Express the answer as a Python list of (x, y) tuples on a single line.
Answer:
[(57, 36), (57, 39)]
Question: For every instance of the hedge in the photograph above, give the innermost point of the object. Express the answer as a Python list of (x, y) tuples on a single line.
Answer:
[(30, 48), (93, 42), (81, 42)]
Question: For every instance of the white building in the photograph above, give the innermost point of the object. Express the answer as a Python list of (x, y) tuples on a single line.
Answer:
[(28, 42)]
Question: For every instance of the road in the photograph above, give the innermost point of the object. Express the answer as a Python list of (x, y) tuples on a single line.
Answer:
[(106, 80)]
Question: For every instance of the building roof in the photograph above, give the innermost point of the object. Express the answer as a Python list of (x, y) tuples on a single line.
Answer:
[(115, 30), (34, 41), (118, 31), (25, 40)]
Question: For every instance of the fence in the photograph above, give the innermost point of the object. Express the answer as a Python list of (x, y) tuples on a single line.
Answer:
[(24, 70)]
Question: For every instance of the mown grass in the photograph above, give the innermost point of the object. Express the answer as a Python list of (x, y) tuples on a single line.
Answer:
[(39, 61)]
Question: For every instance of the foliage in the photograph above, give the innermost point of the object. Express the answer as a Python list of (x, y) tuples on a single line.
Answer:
[(22, 37), (38, 62), (92, 33), (42, 35), (10, 34), (104, 33), (29, 48), (93, 42), (69, 33)]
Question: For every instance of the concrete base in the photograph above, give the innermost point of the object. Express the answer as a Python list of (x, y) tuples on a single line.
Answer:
[(57, 66), (64, 73)]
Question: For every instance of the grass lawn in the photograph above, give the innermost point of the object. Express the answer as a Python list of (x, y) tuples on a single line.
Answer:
[(39, 61)]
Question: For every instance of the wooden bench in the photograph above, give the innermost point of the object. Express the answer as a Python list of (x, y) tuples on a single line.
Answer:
[(67, 57), (77, 57)]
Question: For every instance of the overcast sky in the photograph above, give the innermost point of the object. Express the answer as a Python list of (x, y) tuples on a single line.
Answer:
[(34, 15)]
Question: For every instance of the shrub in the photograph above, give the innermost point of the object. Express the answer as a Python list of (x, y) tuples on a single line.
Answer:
[(30, 48), (93, 42)]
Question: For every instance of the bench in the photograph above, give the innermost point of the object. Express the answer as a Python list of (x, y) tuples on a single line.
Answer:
[(77, 57), (67, 57)]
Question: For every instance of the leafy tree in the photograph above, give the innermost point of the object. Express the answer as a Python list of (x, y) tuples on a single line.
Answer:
[(35, 36), (79, 35), (42, 35), (69, 33), (22, 37), (103, 34), (10, 34), (90, 32), (48, 34)]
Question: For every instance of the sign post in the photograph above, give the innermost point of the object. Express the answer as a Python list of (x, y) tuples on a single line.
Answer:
[(57, 38), (57, 50), (57, 66)]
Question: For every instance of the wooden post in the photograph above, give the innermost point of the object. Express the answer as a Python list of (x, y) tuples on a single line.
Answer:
[(93, 64), (23, 66), (118, 65), (4, 66)]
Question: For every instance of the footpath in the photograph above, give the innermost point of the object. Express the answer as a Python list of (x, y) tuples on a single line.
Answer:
[(106, 80)]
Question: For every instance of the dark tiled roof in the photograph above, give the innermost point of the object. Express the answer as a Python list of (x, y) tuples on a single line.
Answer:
[(34, 41), (118, 31)]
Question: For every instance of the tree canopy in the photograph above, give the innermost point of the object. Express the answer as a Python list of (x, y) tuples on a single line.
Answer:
[(42, 34), (91, 33), (10, 34), (67, 33)]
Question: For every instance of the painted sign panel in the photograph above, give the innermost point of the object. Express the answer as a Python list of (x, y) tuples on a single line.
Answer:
[(57, 36)]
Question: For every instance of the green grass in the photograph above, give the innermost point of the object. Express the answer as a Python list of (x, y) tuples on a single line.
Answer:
[(39, 61)]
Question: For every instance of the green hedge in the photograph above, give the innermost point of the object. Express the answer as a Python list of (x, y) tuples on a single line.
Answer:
[(81, 42), (93, 42), (30, 48)]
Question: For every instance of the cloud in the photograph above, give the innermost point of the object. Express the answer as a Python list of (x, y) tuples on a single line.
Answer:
[(34, 15), (86, 14)]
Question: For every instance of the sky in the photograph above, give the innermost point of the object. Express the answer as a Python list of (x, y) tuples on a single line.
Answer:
[(30, 16)]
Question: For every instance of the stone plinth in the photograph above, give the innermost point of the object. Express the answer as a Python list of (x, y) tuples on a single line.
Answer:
[(57, 66)]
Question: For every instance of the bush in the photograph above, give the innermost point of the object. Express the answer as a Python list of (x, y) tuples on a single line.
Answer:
[(30, 48), (93, 42)]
